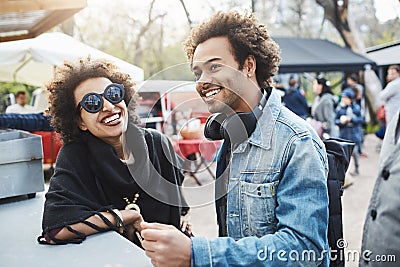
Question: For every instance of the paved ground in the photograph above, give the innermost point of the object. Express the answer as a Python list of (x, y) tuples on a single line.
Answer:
[(355, 200)]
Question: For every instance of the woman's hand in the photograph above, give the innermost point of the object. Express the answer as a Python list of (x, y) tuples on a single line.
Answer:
[(132, 220)]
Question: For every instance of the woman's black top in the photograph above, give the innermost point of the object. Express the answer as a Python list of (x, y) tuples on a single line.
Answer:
[(90, 178)]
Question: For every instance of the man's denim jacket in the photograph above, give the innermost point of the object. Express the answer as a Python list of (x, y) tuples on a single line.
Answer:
[(277, 208)]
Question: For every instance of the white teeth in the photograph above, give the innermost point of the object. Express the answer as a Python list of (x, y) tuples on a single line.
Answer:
[(112, 118), (213, 92)]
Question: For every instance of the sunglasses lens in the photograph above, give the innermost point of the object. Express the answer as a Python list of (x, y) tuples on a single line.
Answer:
[(114, 94), (92, 103)]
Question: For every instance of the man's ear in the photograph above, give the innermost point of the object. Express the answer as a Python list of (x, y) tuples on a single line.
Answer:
[(250, 64)]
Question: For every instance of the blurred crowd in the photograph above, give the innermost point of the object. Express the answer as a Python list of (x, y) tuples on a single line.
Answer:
[(343, 115)]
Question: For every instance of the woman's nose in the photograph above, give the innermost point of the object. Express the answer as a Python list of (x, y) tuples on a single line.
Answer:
[(107, 105)]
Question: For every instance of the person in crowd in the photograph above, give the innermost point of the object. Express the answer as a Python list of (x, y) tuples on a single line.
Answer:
[(21, 107), (381, 237), (381, 117), (323, 107), (352, 82), (271, 190), (110, 174), (349, 119), (294, 100), (278, 85), (392, 74), (390, 95)]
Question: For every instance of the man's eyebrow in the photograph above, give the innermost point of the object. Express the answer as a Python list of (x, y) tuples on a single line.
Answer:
[(195, 67)]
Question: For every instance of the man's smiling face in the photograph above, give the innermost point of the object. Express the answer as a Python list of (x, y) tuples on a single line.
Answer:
[(219, 81)]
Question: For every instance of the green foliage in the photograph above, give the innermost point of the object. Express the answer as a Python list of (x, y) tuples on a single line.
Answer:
[(14, 87), (174, 65), (387, 36), (372, 128), (335, 79), (150, 36)]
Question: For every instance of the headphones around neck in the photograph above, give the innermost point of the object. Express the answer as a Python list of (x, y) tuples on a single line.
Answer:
[(237, 127)]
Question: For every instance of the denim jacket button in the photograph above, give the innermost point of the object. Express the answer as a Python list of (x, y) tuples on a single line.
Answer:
[(385, 174), (373, 214)]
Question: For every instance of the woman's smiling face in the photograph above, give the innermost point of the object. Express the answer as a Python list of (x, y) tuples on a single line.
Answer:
[(111, 121)]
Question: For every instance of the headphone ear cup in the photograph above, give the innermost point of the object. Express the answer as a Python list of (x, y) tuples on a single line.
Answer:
[(239, 126), (213, 129)]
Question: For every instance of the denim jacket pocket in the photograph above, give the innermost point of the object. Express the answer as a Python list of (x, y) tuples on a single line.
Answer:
[(258, 208)]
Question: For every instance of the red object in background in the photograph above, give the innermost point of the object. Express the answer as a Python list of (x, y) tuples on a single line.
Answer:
[(191, 150), (201, 115), (381, 114), (204, 147), (51, 144)]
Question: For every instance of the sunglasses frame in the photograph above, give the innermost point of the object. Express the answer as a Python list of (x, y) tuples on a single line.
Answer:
[(82, 104)]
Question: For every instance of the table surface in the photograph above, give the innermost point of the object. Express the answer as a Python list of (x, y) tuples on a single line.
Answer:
[(20, 224)]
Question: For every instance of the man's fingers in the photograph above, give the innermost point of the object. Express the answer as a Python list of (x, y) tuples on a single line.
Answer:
[(154, 262), (158, 226), (149, 246), (156, 234), (183, 227)]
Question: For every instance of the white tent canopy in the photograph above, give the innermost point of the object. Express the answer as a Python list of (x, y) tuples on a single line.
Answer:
[(32, 61), (385, 55)]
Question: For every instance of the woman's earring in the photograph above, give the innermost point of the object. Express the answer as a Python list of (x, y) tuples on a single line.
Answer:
[(249, 75)]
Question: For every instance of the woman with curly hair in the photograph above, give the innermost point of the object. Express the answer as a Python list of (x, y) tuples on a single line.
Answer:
[(271, 192), (110, 174)]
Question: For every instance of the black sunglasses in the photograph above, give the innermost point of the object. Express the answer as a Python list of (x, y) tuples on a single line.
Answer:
[(93, 102)]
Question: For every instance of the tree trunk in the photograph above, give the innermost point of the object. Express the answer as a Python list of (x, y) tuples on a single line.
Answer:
[(338, 16)]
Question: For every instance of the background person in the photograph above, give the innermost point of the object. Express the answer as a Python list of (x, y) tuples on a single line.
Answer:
[(390, 95), (95, 186), (381, 235), (294, 100), (392, 74), (323, 107), (21, 107), (349, 119), (352, 82), (275, 179)]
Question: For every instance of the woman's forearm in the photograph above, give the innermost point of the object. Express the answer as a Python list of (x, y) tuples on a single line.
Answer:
[(128, 217)]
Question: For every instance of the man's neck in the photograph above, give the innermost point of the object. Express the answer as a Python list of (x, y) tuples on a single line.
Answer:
[(252, 100)]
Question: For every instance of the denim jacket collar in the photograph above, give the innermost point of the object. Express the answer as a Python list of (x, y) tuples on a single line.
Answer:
[(262, 134)]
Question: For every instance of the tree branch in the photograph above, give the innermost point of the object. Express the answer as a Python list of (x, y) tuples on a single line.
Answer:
[(190, 22)]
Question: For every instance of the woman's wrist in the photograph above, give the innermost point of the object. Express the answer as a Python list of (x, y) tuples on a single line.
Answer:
[(119, 221)]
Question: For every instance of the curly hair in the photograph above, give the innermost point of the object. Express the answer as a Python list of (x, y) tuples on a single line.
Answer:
[(246, 38), (62, 109)]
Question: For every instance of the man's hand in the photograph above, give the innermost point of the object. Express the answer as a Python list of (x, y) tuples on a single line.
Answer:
[(165, 245)]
